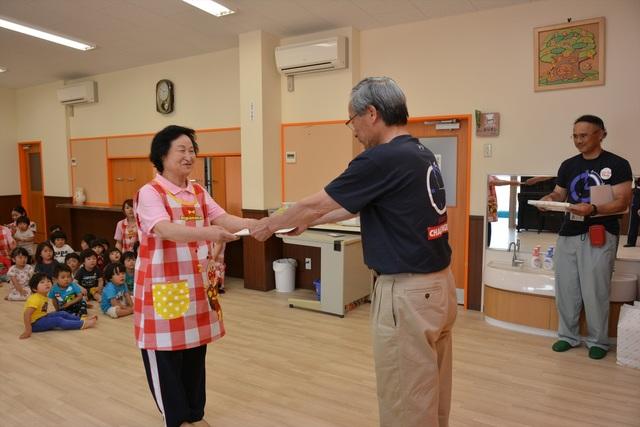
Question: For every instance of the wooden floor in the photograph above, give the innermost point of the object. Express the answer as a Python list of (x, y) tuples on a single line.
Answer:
[(281, 367)]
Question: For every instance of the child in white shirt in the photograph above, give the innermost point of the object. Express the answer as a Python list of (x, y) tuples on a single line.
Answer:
[(24, 235), (60, 247)]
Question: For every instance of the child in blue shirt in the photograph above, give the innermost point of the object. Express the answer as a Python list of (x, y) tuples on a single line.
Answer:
[(66, 294), (129, 259), (116, 299)]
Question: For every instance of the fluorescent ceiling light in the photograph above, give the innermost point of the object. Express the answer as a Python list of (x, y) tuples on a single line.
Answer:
[(2, 69), (30, 31), (211, 7)]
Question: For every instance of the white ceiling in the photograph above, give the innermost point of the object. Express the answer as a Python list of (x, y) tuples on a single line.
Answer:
[(130, 33)]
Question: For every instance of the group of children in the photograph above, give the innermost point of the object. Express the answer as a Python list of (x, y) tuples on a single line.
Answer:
[(51, 272), (54, 274)]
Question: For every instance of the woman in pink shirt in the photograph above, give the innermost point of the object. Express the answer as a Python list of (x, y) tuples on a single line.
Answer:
[(126, 234), (174, 319)]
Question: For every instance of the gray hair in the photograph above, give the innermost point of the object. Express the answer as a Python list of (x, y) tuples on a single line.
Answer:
[(385, 95)]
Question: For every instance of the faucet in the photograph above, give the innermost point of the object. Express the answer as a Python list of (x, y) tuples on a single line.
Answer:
[(515, 261)]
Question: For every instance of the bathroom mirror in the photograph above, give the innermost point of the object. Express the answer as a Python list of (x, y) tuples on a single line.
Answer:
[(510, 217)]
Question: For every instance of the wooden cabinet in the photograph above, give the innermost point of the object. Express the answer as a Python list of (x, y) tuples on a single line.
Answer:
[(127, 176), (536, 311)]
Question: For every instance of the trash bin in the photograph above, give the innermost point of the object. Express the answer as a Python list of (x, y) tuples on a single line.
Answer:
[(316, 284), (285, 270)]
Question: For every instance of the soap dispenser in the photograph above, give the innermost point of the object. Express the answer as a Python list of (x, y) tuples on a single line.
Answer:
[(536, 262)]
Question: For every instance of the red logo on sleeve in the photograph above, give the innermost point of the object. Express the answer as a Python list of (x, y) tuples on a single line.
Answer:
[(437, 231)]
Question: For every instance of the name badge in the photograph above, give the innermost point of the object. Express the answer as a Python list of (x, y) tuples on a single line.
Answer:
[(574, 217)]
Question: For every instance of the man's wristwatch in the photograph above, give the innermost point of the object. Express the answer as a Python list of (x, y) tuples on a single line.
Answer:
[(594, 211)]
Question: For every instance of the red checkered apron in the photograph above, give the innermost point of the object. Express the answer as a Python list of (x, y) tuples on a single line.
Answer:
[(171, 308), (5, 241), (129, 235)]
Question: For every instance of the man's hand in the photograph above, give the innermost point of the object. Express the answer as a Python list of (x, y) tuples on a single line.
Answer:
[(582, 209), (260, 230), (217, 234)]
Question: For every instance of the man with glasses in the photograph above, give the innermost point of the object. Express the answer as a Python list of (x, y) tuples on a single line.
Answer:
[(588, 239), (396, 187)]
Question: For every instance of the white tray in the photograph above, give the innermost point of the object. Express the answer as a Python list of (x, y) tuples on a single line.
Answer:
[(550, 206)]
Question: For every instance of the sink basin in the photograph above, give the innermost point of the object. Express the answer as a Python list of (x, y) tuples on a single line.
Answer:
[(525, 279)]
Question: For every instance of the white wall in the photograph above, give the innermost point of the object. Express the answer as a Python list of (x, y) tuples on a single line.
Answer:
[(206, 89), (485, 61), (10, 182), (321, 96), (40, 117)]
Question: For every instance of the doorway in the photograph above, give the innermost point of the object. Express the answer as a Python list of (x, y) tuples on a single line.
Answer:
[(452, 146), (32, 185)]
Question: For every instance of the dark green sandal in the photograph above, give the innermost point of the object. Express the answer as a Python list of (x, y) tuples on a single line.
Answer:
[(561, 346), (597, 353)]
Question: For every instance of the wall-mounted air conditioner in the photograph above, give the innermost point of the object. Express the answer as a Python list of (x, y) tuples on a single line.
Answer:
[(314, 56), (78, 93)]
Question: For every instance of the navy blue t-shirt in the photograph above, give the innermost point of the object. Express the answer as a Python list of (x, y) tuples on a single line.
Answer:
[(398, 190), (577, 175)]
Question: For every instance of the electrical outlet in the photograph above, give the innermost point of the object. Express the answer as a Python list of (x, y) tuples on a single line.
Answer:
[(307, 263)]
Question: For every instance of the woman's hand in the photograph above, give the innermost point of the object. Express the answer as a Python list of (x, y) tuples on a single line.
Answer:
[(217, 234)]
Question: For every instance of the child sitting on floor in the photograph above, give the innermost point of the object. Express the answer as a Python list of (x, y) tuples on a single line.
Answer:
[(72, 260), (24, 236), (60, 246), (35, 316), (129, 259), (116, 300), (114, 256), (66, 294), (85, 243), (98, 247), (88, 276), (19, 275), (44, 259)]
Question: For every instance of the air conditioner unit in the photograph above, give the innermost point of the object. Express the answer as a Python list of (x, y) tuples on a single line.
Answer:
[(310, 57), (78, 93)]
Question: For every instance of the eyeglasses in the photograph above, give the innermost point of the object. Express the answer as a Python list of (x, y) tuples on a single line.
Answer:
[(583, 136), (349, 123)]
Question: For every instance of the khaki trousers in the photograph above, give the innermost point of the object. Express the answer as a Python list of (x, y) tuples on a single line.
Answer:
[(412, 317)]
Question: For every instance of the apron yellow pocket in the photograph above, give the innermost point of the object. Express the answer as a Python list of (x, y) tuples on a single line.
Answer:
[(171, 300)]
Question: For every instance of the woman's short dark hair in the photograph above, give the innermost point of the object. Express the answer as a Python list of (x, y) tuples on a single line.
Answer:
[(23, 220), (128, 202), (37, 278), (162, 140), (112, 269), (20, 210)]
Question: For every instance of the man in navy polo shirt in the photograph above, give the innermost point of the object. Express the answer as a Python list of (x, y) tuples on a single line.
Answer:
[(396, 187)]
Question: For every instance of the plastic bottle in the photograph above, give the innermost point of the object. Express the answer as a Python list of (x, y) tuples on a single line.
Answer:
[(547, 264), (536, 262)]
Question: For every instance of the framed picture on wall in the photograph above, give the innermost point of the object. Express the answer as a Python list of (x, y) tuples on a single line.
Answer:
[(569, 55)]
